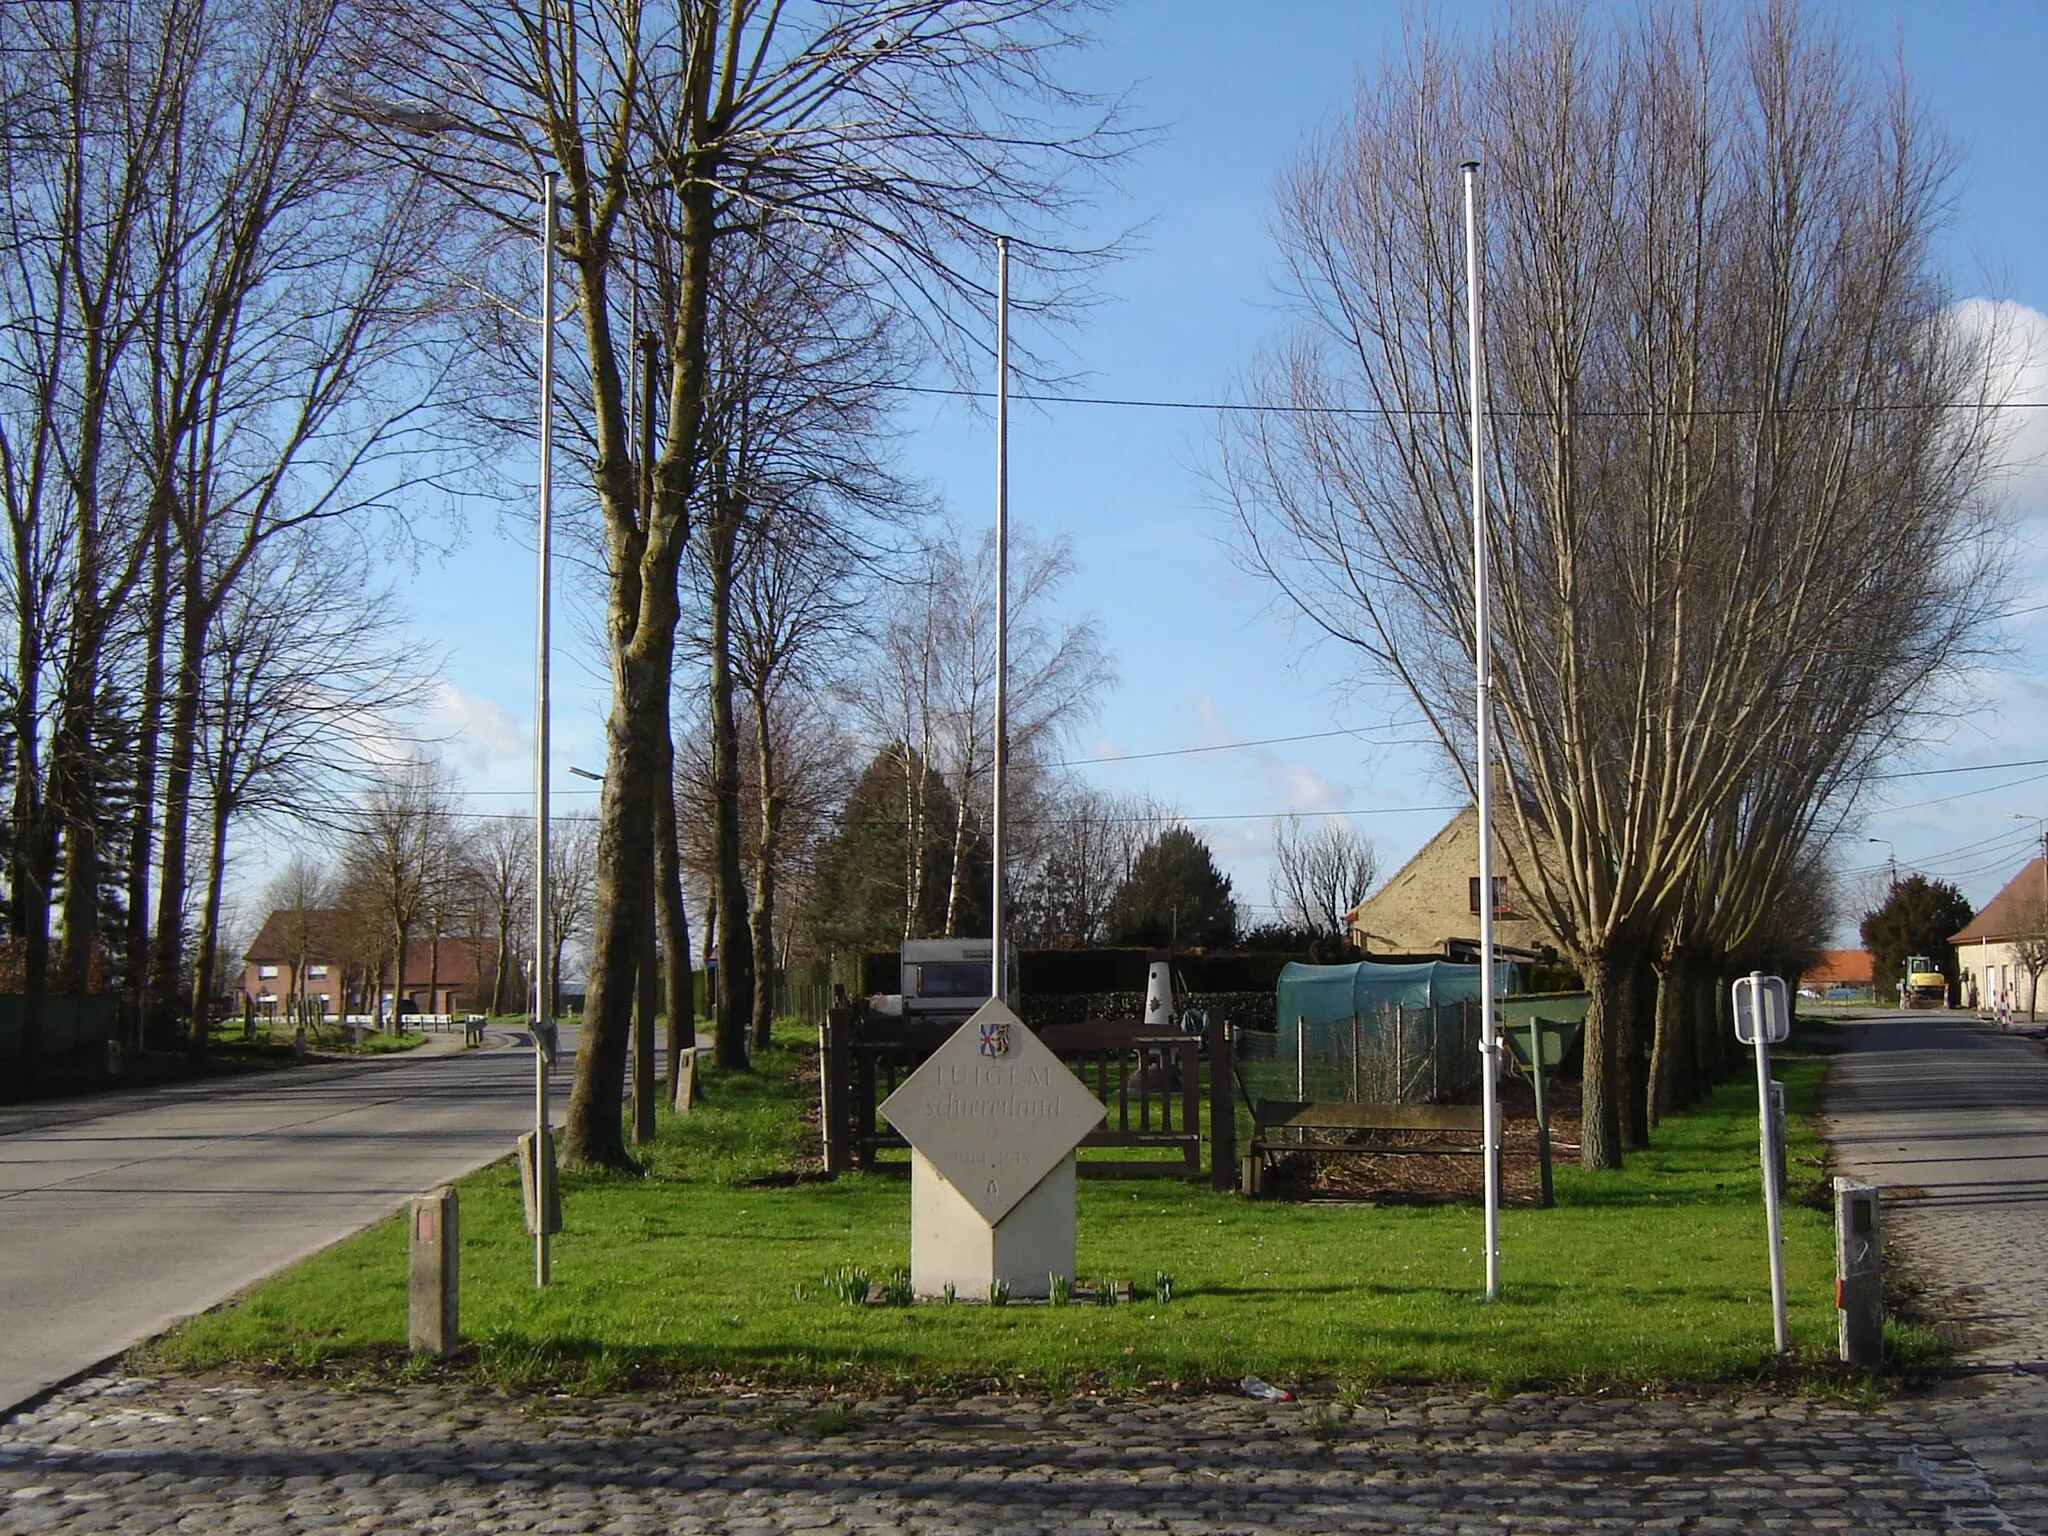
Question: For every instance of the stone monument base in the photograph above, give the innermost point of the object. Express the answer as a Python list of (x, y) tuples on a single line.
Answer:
[(950, 1242)]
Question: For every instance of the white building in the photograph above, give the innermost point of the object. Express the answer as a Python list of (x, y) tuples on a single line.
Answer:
[(1988, 949)]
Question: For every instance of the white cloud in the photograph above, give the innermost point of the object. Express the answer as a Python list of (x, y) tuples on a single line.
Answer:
[(1210, 729), (1103, 747), (2016, 339), (477, 733), (1297, 786)]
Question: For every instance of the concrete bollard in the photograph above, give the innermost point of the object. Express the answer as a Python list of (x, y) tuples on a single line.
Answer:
[(684, 1088), (1859, 1275), (549, 1197), (434, 1327)]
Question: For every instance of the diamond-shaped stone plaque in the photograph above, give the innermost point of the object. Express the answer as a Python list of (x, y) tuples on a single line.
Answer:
[(993, 1110)]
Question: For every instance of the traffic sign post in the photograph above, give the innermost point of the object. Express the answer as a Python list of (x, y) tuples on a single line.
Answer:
[(1763, 1017)]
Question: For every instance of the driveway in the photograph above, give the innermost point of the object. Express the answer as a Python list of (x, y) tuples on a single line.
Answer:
[(121, 1214)]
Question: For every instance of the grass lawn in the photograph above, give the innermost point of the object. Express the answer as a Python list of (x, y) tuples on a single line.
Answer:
[(1657, 1273), (273, 1037)]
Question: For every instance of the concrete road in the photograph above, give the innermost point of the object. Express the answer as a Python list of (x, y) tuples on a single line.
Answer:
[(121, 1214)]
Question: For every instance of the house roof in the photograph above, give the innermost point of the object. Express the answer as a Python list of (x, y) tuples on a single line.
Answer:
[(329, 931), (327, 928), (1841, 968), (2015, 912)]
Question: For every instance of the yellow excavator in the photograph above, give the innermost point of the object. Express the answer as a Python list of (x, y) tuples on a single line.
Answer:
[(1926, 987)]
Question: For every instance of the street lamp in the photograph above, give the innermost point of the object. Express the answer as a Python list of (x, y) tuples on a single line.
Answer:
[(430, 122), (1891, 860)]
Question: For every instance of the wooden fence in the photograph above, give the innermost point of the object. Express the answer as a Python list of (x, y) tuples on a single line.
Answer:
[(1150, 1081)]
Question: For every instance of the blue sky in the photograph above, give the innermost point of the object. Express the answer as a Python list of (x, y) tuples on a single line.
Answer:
[(1204, 660)]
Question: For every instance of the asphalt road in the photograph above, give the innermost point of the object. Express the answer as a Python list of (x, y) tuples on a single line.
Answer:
[(1950, 1117), (121, 1214)]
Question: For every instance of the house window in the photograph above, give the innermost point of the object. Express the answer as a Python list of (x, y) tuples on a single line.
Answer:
[(317, 971), (1500, 894), (266, 972)]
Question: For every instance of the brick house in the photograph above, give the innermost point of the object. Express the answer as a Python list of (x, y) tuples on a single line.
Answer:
[(1850, 968), (337, 980), (1430, 905)]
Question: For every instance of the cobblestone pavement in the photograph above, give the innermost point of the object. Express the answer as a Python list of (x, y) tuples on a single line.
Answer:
[(231, 1456)]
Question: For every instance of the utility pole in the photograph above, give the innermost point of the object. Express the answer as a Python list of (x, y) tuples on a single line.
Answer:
[(543, 1018), (996, 828), (1482, 645)]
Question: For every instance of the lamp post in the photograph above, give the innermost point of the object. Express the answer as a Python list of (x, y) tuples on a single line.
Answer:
[(1891, 860), (429, 122)]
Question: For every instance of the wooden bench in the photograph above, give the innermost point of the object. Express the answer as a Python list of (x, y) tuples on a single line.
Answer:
[(1281, 1126)]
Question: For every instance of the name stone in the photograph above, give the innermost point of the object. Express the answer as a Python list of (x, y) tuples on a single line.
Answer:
[(993, 1125)]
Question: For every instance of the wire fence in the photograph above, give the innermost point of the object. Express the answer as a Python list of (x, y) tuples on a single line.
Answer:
[(1391, 1055)]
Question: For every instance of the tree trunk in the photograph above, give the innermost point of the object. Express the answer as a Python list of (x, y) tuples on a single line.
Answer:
[(434, 967), (209, 929), (961, 821), (75, 786), (1671, 1050), (735, 940), (501, 969), (397, 1021), (641, 612), (142, 833), (646, 995), (766, 854), (1642, 1016), (166, 965), (674, 916), (593, 1132), (33, 860), (1610, 979)]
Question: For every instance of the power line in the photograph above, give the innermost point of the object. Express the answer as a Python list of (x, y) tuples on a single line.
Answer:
[(1928, 773), (1126, 757), (1967, 794), (1265, 408), (1233, 746)]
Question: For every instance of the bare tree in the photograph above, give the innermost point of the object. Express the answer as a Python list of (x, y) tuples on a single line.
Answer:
[(1731, 460), (2030, 947), (1076, 846), (299, 899), (497, 864), (792, 487), (933, 684), (794, 608), (902, 128), (572, 886), (292, 369), (295, 656), (1320, 873), (84, 148), (394, 853)]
